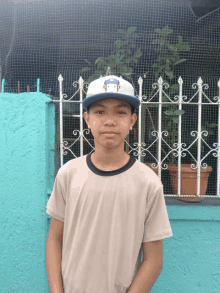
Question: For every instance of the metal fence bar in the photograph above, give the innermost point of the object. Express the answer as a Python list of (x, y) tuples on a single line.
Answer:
[(180, 81), (81, 115), (140, 82), (60, 78), (3, 86), (38, 85), (199, 83), (160, 83), (218, 164)]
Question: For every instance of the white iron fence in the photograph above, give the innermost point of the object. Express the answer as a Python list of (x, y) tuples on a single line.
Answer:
[(139, 148)]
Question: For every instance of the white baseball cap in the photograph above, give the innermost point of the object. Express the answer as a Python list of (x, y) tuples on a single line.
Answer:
[(110, 87)]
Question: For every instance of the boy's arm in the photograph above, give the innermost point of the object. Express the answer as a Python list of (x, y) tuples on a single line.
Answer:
[(53, 265), (150, 267)]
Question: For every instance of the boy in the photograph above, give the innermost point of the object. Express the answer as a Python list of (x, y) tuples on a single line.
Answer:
[(106, 205)]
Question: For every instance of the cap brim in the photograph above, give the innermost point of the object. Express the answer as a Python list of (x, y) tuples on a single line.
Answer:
[(132, 100)]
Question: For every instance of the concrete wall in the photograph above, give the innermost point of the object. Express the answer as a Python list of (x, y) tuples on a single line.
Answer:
[(192, 255), (27, 129)]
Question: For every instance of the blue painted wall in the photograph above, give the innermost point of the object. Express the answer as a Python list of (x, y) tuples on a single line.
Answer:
[(192, 255), (27, 129)]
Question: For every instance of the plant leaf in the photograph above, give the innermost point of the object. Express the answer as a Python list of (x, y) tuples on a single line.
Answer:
[(184, 47), (122, 56), (179, 112), (157, 30), (213, 125), (88, 62), (155, 41), (174, 87), (137, 54), (118, 43), (165, 31), (131, 30), (98, 59), (121, 31), (155, 65), (85, 69), (168, 112), (179, 61), (170, 74), (180, 39), (176, 120), (161, 42), (128, 60), (166, 66), (172, 47)]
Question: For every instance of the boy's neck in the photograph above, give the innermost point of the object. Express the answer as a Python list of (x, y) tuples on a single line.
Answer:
[(107, 162)]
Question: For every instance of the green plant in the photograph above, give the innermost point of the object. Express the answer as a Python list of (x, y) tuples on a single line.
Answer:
[(165, 67), (122, 60), (124, 55)]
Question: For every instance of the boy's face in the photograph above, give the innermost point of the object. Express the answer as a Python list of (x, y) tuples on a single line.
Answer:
[(110, 115)]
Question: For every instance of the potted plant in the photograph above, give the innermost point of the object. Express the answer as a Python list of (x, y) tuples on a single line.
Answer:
[(189, 175), (164, 67)]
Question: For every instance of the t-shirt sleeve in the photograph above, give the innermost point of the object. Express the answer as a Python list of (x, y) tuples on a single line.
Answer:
[(56, 203), (157, 225)]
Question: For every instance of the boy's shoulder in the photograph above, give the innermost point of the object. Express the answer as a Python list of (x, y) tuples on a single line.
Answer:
[(72, 164), (147, 173)]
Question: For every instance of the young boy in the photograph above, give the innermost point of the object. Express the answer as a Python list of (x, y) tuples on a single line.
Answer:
[(107, 205)]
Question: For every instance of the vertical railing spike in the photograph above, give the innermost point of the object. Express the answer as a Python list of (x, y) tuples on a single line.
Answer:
[(60, 78), (200, 81), (38, 85), (180, 80), (81, 82), (140, 80), (3, 85), (160, 80)]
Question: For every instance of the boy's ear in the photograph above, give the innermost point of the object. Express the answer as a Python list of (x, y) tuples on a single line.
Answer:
[(85, 116)]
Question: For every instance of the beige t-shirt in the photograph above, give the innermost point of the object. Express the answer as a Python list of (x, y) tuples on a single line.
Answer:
[(107, 215)]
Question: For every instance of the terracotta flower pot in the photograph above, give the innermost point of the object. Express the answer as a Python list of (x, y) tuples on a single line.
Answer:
[(189, 181)]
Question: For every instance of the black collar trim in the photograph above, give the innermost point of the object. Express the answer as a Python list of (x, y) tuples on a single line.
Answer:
[(99, 172)]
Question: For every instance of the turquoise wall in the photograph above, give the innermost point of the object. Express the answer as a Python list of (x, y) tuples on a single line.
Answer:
[(192, 254), (27, 129)]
